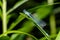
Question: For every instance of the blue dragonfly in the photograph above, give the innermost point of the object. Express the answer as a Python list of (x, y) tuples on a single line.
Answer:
[(40, 24)]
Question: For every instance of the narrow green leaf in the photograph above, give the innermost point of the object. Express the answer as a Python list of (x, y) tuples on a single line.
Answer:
[(0, 3), (51, 36), (18, 20), (43, 11), (9, 16), (18, 36), (0, 13), (19, 3), (27, 26), (58, 36)]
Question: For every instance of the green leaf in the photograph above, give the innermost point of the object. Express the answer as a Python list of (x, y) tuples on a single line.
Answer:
[(0, 14), (43, 11), (58, 36), (24, 29), (0, 3), (9, 16), (4, 38), (30, 26), (12, 15), (19, 3), (18, 36), (18, 20), (27, 26)]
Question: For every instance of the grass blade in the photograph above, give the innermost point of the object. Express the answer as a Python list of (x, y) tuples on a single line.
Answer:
[(16, 5), (18, 20), (58, 36)]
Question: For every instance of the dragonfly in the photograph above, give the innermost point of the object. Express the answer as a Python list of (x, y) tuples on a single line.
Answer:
[(40, 24)]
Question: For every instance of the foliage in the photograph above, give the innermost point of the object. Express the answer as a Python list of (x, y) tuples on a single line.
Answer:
[(23, 22)]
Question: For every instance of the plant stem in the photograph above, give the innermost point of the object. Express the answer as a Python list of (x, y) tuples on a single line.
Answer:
[(50, 2), (4, 16), (52, 24), (18, 32), (52, 20)]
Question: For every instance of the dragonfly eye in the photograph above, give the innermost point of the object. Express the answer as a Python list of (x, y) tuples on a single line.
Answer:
[(40, 23), (27, 13)]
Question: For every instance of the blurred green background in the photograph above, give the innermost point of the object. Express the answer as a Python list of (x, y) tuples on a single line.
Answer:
[(41, 10)]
